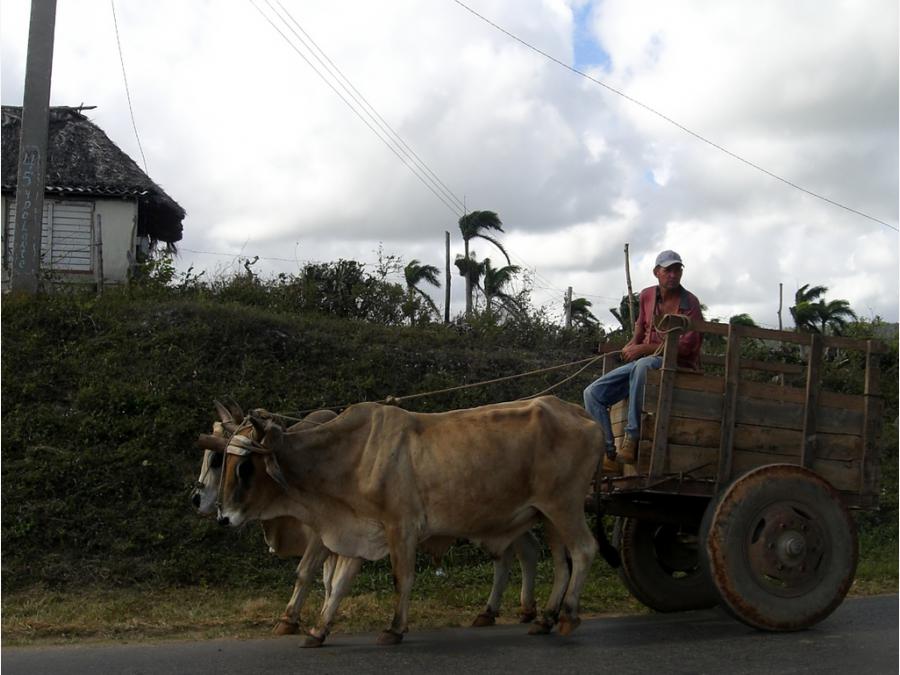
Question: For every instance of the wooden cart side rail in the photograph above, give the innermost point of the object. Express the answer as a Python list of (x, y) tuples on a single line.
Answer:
[(826, 422), (789, 336)]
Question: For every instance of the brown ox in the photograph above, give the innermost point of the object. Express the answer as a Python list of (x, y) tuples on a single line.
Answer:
[(379, 480), (286, 536)]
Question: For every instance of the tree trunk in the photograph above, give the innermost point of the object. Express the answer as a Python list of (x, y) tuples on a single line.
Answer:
[(468, 285)]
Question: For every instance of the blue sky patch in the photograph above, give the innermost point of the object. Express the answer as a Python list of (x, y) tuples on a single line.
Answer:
[(588, 51)]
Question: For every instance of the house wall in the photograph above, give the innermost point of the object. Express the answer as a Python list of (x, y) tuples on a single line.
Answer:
[(118, 224)]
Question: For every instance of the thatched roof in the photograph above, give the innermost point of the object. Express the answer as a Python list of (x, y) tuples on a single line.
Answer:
[(83, 161)]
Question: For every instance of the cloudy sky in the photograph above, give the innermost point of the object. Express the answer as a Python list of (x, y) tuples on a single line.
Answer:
[(269, 161)]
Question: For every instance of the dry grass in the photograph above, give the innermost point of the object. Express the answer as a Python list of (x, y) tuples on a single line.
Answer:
[(40, 616)]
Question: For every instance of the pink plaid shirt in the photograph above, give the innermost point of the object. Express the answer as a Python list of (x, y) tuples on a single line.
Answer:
[(645, 329)]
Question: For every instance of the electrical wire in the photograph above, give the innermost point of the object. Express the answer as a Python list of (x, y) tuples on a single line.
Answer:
[(357, 96), (397, 150), (127, 89), (672, 121)]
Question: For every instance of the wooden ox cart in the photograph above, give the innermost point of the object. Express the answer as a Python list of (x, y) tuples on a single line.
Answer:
[(744, 481)]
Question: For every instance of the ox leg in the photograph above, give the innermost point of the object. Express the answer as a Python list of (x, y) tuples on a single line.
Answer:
[(544, 624), (328, 570), (526, 549), (582, 547), (403, 563), (313, 557), (343, 572), (502, 565)]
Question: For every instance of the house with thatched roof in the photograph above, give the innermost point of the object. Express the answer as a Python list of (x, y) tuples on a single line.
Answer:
[(97, 200)]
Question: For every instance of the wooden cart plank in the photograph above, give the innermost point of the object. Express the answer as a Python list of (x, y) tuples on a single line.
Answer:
[(874, 404), (664, 403), (811, 405)]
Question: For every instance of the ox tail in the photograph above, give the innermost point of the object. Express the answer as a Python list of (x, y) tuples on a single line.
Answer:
[(609, 552)]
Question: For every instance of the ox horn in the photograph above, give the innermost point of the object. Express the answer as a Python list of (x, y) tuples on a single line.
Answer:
[(227, 415), (210, 442), (236, 411)]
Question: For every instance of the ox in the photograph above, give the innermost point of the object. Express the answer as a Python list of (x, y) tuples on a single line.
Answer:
[(380, 480), (288, 537)]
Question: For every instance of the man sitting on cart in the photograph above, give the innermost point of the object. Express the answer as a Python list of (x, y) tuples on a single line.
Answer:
[(642, 353)]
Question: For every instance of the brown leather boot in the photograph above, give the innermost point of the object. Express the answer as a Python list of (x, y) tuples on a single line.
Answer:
[(611, 467), (627, 450)]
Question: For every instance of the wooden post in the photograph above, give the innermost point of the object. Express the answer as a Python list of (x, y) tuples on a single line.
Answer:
[(729, 406), (447, 288), (568, 302), (813, 378), (32, 170), (664, 405), (630, 292)]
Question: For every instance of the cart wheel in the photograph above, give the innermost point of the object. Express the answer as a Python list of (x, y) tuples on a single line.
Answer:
[(782, 548), (661, 565)]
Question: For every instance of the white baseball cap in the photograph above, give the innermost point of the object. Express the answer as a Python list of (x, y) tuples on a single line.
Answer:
[(667, 259)]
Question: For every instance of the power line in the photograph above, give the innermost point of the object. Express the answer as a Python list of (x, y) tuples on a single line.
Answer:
[(402, 155), (671, 121), (127, 90), (348, 86)]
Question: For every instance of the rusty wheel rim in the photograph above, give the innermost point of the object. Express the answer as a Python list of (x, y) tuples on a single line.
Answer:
[(785, 546)]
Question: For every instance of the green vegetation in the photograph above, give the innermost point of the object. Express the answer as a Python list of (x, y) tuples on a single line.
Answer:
[(102, 398)]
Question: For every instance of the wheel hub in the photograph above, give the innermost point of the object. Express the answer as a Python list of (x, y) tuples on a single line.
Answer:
[(786, 549)]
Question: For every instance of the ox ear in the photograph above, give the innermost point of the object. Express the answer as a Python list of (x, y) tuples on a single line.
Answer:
[(273, 468), (272, 442)]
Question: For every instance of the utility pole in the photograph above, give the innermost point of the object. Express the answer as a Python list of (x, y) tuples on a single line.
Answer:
[(447, 285), (630, 292), (32, 170), (780, 302), (568, 307)]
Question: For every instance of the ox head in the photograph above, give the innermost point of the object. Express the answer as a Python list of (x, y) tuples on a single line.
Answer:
[(203, 496), (250, 475)]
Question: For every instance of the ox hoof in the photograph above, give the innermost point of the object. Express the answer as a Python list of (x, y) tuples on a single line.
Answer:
[(389, 637), (312, 641), (527, 615), (568, 624), (286, 627), (541, 627), (487, 618)]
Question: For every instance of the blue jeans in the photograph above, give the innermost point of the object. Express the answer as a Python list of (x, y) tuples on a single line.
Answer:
[(625, 381)]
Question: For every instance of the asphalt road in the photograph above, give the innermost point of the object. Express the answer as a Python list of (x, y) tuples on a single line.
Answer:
[(860, 637)]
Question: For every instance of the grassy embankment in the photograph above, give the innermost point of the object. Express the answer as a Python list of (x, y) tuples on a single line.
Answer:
[(101, 401)]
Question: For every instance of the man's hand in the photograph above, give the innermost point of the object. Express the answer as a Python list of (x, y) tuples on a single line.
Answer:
[(632, 352)]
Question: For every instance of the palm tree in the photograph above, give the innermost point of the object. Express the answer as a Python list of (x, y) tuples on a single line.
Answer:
[(742, 320), (495, 281), (812, 313), (805, 311), (415, 273), (580, 313), (835, 314), (473, 225), (471, 270), (622, 314)]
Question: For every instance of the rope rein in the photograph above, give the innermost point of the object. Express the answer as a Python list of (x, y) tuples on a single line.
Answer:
[(588, 362)]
